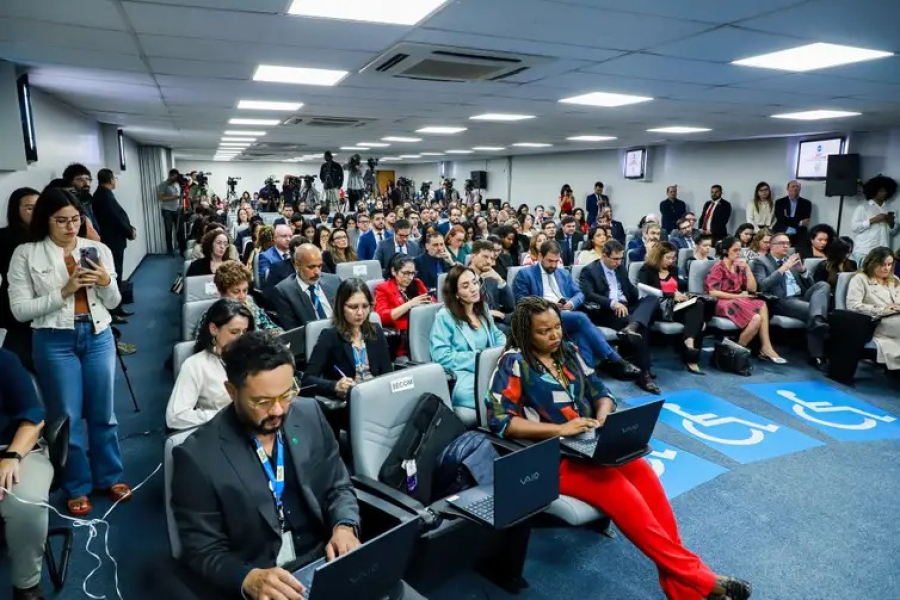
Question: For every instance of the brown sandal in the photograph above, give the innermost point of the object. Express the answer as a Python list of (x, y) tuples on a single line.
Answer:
[(79, 507), (119, 492)]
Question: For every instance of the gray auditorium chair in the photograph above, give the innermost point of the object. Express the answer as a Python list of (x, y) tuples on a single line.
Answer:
[(185, 265), (191, 313), (315, 328), (811, 264), (176, 439), (364, 269), (440, 286), (374, 283), (662, 327), (699, 270), (608, 333), (568, 509), (511, 275), (199, 288), (840, 290), (180, 353), (683, 255), (257, 278)]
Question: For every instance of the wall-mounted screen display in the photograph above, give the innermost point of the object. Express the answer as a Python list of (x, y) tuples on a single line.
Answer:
[(812, 157), (635, 161)]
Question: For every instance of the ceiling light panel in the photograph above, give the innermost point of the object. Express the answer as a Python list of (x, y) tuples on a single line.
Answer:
[(238, 139), (410, 156), (374, 144), (459, 152), (441, 130), (811, 57), (605, 99), (591, 138), (501, 117), (407, 140), (432, 154), (266, 105), (678, 129), (261, 122), (244, 133), (816, 115), (391, 12), (298, 75), (532, 145), (352, 148), (489, 148)]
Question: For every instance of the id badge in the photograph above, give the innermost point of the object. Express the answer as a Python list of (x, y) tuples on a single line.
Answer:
[(287, 553), (561, 397)]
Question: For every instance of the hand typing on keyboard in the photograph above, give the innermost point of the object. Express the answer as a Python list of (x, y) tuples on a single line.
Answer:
[(577, 426), (272, 583)]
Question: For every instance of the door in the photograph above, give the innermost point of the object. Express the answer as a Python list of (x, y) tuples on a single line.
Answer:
[(382, 178)]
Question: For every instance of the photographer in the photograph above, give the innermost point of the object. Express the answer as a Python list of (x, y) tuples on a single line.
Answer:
[(269, 195), (355, 183), (169, 195), (332, 176)]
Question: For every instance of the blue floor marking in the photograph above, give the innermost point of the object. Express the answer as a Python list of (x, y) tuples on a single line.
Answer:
[(829, 410), (680, 471), (735, 432)]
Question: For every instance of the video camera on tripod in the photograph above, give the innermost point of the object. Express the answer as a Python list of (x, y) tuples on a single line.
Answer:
[(425, 189), (232, 183)]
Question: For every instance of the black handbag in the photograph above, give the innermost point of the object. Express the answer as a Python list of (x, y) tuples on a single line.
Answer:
[(666, 309), (732, 358)]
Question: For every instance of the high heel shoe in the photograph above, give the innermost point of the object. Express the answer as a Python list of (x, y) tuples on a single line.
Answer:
[(691, 356), (735, 589), (774, 359)]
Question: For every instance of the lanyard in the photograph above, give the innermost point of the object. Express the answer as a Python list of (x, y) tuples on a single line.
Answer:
[(276, 479), (360, 357)]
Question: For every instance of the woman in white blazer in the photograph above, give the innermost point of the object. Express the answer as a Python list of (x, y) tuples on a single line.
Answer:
[(67, 297)]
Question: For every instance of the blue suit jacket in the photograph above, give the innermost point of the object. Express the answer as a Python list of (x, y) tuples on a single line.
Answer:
[(367, 244), (530, 283), (267, 259)]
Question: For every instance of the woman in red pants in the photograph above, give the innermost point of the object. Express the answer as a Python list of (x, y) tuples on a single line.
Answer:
[(542, 389)]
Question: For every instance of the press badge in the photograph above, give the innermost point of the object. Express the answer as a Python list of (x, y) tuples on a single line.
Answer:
[(561, 397), (287, 553)]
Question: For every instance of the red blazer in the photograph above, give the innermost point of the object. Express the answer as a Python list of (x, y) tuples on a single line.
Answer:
[(387, 298)]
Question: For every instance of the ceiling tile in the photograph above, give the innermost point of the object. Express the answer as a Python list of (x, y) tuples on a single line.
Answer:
[(709, 11), (647, 66), (100, 14), (36, 33), (255, 6), (30, 54), (727, 44)]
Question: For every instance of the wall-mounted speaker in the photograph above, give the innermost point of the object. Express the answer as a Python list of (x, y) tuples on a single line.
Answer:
[(842, 175), (479, 180)]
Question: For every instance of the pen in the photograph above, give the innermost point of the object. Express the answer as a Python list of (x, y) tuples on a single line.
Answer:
[(341, 373)]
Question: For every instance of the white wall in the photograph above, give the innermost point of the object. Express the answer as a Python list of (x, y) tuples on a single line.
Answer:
[(65, 136)]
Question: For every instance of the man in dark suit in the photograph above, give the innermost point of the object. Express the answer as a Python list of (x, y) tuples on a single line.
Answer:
[(454, 218), (116, 227), (282, 269), (594, 202), (287, 211), (569, 239), (434, 261), (671, 209), (262, 484), (276, 253), (716, 214), (398, 244), (798, 296), (548, 280), (792, 214), (638, 249), (322, 219), (497, 294), (615, 227), (308, 295), (682, 238), (368, 241), (618, 306)]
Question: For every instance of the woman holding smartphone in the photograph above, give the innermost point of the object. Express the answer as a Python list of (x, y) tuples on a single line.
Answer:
[(61, 284), (398, 295)]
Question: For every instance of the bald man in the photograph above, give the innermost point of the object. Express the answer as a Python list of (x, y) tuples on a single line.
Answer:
[(276, 253), (792, 214), (308, 295)]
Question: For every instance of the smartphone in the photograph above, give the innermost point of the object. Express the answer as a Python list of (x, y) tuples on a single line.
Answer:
[(561, 301), (91, 254)]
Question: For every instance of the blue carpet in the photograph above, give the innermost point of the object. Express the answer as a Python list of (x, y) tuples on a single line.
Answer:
[(819, 524)]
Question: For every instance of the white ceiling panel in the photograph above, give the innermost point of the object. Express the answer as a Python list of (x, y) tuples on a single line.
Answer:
[(650, 66), (710, 11), (256, 6), (28, 54), (825, 85), (81, 13), (38, 33), (198, 68), (570, 84), (727, 44), (112, 90), (885, 70), (50, 73)]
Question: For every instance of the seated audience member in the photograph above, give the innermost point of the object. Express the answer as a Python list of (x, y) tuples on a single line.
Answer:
[(199, 392), (227, 521), (496, 293), (820, 237), (322, 237), (398, 295), (837, 261), (287, 212), (581, 221), (873, 224), (549, 228), (649, 237), (398, 244), (798, 295), (284, 269), (233, 281), (732, 283), (215, 250), (462, 328), (510, 248), (339, 251), (661, 272), (605, 283), (241, 223), (308, 295), (744, 235), (547, 280), (298, 222), (875, 291), (308, 231), (542, 389), (322, 217), (27, 473), (570, 239), (683, 236), (246, 240), (759, 245), (533, 256), (434, 261), (18, 220), (351, 351), (455, 240), (597, 237), (278, 252), (702, 250)]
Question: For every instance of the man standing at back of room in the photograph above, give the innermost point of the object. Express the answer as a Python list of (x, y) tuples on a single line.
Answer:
[(332, 176), (716, 214), (671, 209), (116, 227), (169, 195), (595, 202), (792, 214)]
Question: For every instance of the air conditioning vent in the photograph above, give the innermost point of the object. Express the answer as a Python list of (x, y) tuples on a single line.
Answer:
[(443, 63), (327, 122)]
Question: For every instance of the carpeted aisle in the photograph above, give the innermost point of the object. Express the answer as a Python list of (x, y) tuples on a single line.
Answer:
[(819, 523)]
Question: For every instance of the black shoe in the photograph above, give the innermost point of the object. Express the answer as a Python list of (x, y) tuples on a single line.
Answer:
[(819, 363), (122, 312), (630, 334), (621, 369), (34, 593), (645, 382), (820, 325), (117, 320), (736, 589)]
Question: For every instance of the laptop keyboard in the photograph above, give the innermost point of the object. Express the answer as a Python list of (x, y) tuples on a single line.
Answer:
[(584, 446), (483, 508)]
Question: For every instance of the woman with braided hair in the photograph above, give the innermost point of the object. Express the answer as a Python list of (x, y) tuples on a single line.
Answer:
[(541, 389)]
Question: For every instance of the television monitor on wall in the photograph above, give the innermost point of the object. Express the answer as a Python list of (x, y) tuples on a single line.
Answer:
[(812, 156), (635, 163), (27, 117)]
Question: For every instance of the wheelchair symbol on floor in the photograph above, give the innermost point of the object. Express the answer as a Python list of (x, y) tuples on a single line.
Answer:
[(656, 459), (801, 406), (708, 420)]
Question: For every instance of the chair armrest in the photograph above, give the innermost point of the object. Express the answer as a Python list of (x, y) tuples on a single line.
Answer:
[(383, 506), (411, 506)]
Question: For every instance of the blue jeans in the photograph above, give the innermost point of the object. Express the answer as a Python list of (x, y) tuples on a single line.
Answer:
[(591, 343), (76, 372)]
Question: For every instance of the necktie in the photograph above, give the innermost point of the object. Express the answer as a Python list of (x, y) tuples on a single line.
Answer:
[(690, 241), (284, 256), (379, 235), (316, 302), (708, 215), (440, 266), (554, 285), (402, 249)]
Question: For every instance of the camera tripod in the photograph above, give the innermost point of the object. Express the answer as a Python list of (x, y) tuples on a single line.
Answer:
[(116, 336)]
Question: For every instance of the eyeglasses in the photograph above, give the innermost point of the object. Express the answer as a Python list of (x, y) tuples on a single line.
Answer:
[(338, 238), (407, 273), (285, 399), (358, 308), (63, 221), (781, 243)]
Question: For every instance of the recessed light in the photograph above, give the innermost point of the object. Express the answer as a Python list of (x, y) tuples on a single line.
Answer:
[(393, 138), (489, 148), (501, 117), (440, 130), (432, 154), (410, 156), (679, 129), (374, 144), (221, 158), (391, 12), (299, 75), (811, 57), (235, 132), (532, 145), (459, 152), (815, 115), (352, 148), (254, 121), (238, 139), (591, 138), (266, 105), (605, 99)]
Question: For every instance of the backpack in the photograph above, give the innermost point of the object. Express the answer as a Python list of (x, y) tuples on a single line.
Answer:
[(467, 462), (430, 429), (732, 358)]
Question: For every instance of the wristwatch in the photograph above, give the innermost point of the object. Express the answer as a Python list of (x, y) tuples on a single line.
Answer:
[(14, 455)]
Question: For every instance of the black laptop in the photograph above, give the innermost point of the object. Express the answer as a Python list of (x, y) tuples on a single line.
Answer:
[(525, 483), (370, 572), (623, 438), (295, 340)]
